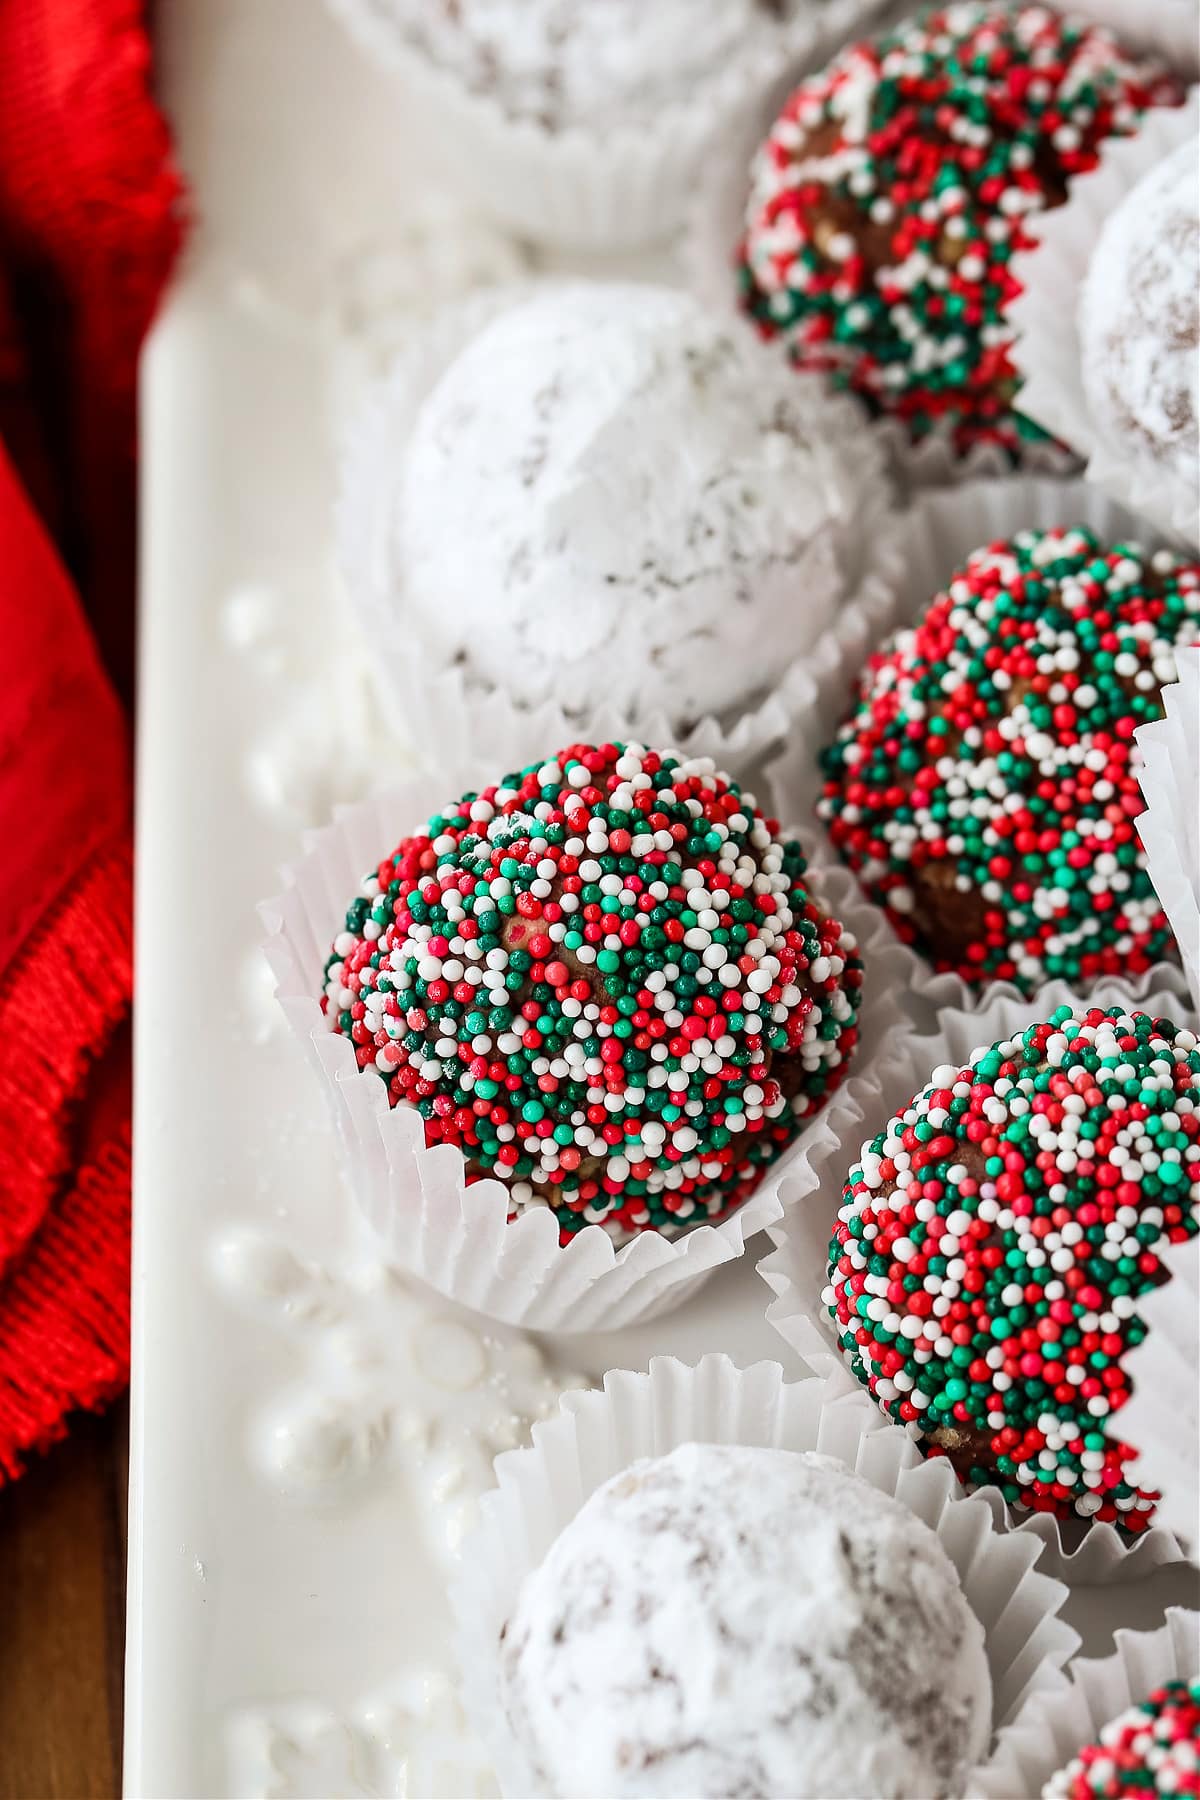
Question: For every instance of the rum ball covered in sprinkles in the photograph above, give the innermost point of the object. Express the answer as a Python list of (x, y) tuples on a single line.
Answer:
[(1152, 1748), (605, 981), (994, 1242), (897, 185), (984, 787)]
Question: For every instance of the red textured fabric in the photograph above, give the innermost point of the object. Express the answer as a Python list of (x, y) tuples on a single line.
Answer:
[(89, 227)]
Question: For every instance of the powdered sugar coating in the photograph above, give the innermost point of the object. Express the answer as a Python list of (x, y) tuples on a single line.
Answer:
[(609, 498), (1140, 321), (732, 1621), (590, 63)]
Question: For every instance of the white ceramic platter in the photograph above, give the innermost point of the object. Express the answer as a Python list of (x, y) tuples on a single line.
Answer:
[(308, 1436)]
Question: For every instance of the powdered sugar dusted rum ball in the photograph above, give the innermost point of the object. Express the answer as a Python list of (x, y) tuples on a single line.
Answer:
[(995, 1239), (605, 980), (594, 65), (896, 186), (610, 500), (727, 1620), (1150, 1749), (1140, 325), (984, 786)]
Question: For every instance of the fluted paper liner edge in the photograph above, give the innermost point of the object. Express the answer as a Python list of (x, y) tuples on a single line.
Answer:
[(1056, 1726)]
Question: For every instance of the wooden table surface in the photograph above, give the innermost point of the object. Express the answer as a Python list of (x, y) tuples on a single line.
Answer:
[(62, 1618)]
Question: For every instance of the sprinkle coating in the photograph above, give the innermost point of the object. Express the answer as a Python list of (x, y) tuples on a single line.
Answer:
[(984, 788), (993, 1242), (604, 979), (1150, 1749), (896, 186)]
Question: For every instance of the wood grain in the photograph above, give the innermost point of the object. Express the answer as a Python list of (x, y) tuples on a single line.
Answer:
[(62, 1618)]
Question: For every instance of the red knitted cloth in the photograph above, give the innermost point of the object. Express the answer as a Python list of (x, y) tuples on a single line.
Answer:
[(88, 231)]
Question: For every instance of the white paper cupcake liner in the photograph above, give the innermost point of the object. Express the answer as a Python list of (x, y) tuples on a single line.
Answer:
[(938, 532), (1170, 826), (597, 1434), (713, 230), (1162, 1416), (456, 1237), (578, 188), (811, 1194), (434, 701), (1047, 351), (1054, 1727)]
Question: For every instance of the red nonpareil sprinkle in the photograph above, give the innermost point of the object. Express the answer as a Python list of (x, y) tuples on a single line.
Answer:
[(592, 995), (984, 1286), (984, 784), (896, 186)]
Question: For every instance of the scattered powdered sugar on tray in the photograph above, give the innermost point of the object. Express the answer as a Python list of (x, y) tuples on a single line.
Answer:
[(390, 1384), (410, 1737)]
